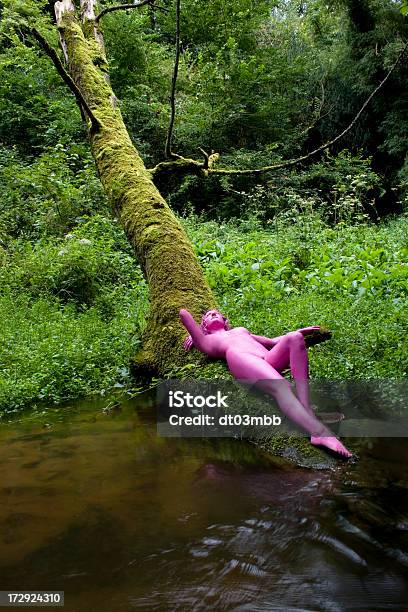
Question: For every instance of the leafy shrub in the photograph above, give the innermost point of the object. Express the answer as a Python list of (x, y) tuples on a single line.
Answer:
[(71, 314), (49, 353), (90, 261), (47, 196), (351, 279), (342, 188)]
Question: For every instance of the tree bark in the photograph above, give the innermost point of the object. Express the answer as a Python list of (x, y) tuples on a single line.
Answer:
[(171, 269)]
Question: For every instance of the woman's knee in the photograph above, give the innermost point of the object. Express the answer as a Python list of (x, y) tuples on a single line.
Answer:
[(296, 338)]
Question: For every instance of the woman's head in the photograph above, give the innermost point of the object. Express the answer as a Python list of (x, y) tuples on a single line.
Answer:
[(211, 321)]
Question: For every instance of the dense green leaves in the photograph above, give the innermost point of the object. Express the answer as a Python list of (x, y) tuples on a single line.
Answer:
[(352, 280), (45, 197), (72, 308), (259, 82)]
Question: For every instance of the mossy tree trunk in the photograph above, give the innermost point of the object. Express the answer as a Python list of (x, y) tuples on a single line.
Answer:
[(162, 248)]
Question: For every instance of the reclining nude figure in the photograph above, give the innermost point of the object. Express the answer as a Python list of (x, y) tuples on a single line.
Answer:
[(261, 361)]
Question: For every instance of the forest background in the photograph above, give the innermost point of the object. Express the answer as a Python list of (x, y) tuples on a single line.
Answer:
[(259, 82)]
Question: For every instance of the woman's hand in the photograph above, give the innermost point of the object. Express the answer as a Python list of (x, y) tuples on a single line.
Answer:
[(308, 330), (188, 343)]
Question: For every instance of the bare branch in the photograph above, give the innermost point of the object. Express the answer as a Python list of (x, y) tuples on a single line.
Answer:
[(317, 114), (167, 150), (125, 7), (209, 159), (52, 54), (88, 9), (61, 7), (206, 158)]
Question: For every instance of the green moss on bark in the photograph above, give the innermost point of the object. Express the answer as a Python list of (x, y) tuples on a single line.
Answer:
[(164, 252)]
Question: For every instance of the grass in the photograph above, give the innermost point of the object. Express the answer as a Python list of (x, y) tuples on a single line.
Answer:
[(351, 279), (72, 308), (71, 314), (51, 352)]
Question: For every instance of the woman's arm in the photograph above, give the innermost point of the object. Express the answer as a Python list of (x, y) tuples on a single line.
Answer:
[(267, 342), (270, 342), (200, 340)]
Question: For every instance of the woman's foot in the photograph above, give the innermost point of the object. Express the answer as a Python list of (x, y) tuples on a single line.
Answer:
[(332, 444)]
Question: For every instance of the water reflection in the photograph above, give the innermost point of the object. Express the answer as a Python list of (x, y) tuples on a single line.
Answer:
[(99, 506)]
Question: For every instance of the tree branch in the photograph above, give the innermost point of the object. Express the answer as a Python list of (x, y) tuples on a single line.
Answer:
[(178, 165), (199, 168), (183, 166), (167, 150), (52, 54), (125, 7)]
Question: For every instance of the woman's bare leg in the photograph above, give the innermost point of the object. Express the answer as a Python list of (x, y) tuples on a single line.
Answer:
[(266, 377), (245, 366), (291, 352)]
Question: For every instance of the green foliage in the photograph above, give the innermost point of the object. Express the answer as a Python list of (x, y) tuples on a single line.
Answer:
[(46, 196), (341, 187), (371, 36), (245, 76), (36, 110), (72, 310), (259, 84), (92, 259), (350, 279), (255, 85), (339, 264), (140, 73), (49, 353), (236, 75)]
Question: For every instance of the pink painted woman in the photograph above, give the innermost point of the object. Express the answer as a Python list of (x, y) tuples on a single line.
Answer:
[(262, 360)]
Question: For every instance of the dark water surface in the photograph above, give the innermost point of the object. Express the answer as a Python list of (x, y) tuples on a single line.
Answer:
[(96, 505)]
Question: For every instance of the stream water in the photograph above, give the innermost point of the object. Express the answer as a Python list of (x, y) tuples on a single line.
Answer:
[(95, 504)]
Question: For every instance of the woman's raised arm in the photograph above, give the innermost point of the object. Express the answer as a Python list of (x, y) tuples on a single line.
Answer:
[(200, 340)]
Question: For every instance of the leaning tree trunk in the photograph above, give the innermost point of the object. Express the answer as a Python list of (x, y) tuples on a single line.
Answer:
[(163, 250)]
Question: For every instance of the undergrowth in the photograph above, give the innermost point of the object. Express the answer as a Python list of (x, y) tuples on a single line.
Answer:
[(72, 307)]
